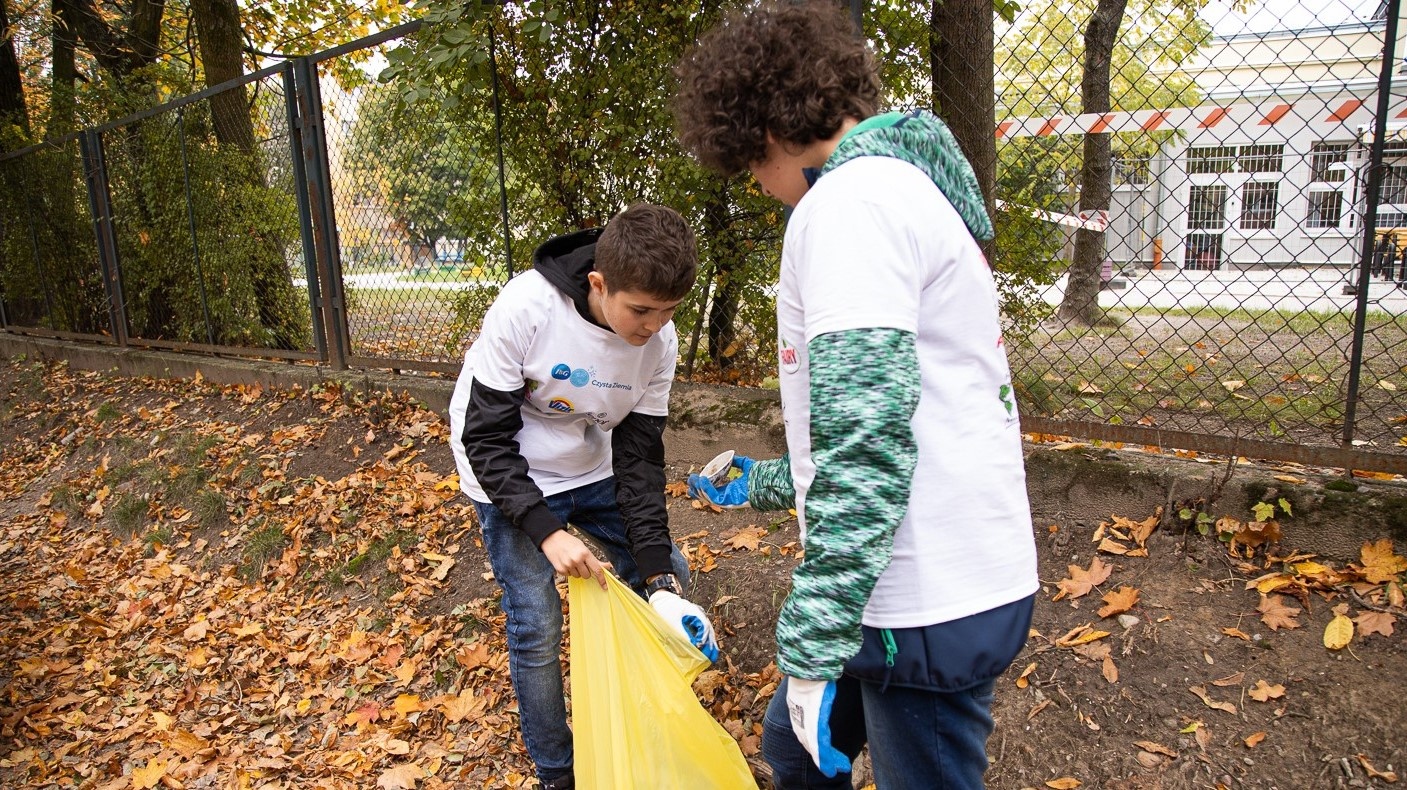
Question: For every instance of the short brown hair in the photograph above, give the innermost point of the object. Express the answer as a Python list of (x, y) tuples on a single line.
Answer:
[(797, 70), (649, 249)]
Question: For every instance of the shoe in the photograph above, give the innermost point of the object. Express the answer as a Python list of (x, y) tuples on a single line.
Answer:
[(563, 782)]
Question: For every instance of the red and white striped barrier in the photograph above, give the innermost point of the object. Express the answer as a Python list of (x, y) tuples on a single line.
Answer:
[(1312, 113)]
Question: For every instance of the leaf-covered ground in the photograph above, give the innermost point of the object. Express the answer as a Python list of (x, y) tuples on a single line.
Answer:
[(226, 587)]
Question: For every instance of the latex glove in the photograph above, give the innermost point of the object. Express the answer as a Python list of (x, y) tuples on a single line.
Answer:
[(688, 619), (809, 703), (733, 495)]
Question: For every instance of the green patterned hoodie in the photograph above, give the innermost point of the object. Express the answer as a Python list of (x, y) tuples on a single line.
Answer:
[(864, 388)]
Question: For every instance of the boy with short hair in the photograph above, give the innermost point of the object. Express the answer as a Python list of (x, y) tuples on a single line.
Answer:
[(905, 464), (558, 417)]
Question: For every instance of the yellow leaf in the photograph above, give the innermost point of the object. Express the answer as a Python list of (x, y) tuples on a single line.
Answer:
[(408, 703), (402, 777), (149, 775), (1380, 564), (1338, 633), (303, 705), (1264, 692), (249, 630), (459, 707), (450, 483)]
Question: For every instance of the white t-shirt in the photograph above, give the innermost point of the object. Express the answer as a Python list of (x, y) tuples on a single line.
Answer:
[(582, 380), (876, 244)]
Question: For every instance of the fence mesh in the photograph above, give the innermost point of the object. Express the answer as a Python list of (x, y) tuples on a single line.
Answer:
[(419, 221), (52, 277), (206, 222), (1232, 180)]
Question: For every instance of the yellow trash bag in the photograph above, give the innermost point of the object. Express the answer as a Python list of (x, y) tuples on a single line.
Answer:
[(635, 720)]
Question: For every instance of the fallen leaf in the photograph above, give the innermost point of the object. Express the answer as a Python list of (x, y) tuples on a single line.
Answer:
[(1236, 632), (747, 538), (402, 777), (1253, 739), (1022, 682), (1064, 783), (677, 489), (1081, 581), (1375, 623), (149, 775), (1109, 670), (1232, 385), (1154, 747), (1338, 633), (1275, 613), (1380, 564), (1230, 680), (1119, 601), (1386, 776), (1211, 703), (1264, 692)]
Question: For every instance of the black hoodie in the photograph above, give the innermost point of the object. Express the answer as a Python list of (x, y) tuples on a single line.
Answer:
[(493, 419)]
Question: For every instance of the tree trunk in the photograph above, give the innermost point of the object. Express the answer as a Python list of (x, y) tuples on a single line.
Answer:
[(64, 72), (13, 112), (218, 28), (723, 307), (961, 56), (1081, 302)]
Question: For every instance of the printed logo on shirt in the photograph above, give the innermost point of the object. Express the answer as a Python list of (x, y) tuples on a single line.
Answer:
[(791, 361), (1004, 395), (561, 404), (581, 377), (562, 371)]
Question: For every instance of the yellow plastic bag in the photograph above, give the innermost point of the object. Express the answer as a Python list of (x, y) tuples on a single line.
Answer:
[(635, 720)]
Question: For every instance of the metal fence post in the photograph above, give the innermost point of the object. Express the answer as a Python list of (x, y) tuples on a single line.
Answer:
[(1370, 221), (498, 138), (100, 205), (305, 212), (324, 216)]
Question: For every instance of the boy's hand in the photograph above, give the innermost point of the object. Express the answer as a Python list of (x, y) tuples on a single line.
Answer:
[(571, 557), (809, 703), (688, 619), (732, 495)]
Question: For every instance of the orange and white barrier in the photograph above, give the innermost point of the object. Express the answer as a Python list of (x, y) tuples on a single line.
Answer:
[(1097, 220), (1242, 117)]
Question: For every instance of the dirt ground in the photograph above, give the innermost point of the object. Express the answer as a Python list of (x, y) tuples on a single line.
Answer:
[(1168, 698)]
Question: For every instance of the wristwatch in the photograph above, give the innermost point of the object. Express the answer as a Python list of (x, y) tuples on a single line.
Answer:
[(663, 581)]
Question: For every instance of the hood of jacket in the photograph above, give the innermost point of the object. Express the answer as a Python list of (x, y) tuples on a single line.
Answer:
[(920, 138), (566, 260)]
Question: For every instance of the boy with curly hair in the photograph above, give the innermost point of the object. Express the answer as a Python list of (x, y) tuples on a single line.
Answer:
[(558, 418), (904, 455)]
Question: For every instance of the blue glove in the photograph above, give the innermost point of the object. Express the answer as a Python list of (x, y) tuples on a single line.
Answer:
[(732, 495), (688, 619), (809, 703)]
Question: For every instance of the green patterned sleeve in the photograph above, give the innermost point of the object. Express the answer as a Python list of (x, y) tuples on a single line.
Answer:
[(864, 392), (769, 485)]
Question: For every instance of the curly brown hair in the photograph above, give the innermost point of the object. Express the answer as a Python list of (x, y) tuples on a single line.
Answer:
[(796, 70), (649, 249)]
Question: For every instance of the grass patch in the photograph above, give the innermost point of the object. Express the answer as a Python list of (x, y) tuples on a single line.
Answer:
[(209, 508), (107, 412), (380, 549), (161, 535), (263, 545), (128, 514)]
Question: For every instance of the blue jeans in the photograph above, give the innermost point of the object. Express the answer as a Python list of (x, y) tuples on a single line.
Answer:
[(918, 739), (534, 610)]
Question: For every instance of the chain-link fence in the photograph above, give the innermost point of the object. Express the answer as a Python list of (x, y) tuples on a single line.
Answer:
[(1201, 244), (1213, 197)]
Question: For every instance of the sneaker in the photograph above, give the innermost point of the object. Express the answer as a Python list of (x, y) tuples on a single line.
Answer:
[(563, 782)]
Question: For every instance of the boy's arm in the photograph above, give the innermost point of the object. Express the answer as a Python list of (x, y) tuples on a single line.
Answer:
[(770, 486), (491, 424), (637, 452), (864, 392)]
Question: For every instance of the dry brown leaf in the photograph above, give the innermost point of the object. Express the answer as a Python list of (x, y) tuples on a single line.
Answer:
[(1109, 670), (1274, 612), (1021, 681), (677, 489), (149, 775), (1083, 580), (1264, 692), (1387, 776), (1375, 623), (1119, 601), (401, 777), (1037, 708), (1064, 783), (1236, 632), (1254, 739), (1211, 703), (1230, 680), (747, 538), (1156, 748)]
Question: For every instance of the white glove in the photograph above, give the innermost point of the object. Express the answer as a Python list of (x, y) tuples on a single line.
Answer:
[(809, 703), (688, 619)]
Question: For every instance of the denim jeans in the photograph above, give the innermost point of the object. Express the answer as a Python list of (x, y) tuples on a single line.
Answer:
[(534, 610), (917, 739)]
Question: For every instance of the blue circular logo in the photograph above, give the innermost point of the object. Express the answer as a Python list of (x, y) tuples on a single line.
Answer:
[(562, 371), (580, 378)]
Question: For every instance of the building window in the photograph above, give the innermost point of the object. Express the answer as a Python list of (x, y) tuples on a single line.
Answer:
[(1130, 170), (1321, 156), (1206, 208), (1394, 189), (1262, 158), (1325, 209), (1258, 203), (1211, 159)]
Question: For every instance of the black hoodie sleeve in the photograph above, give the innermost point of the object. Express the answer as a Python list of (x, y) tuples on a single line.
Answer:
[(637, 449), (491, 424)]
